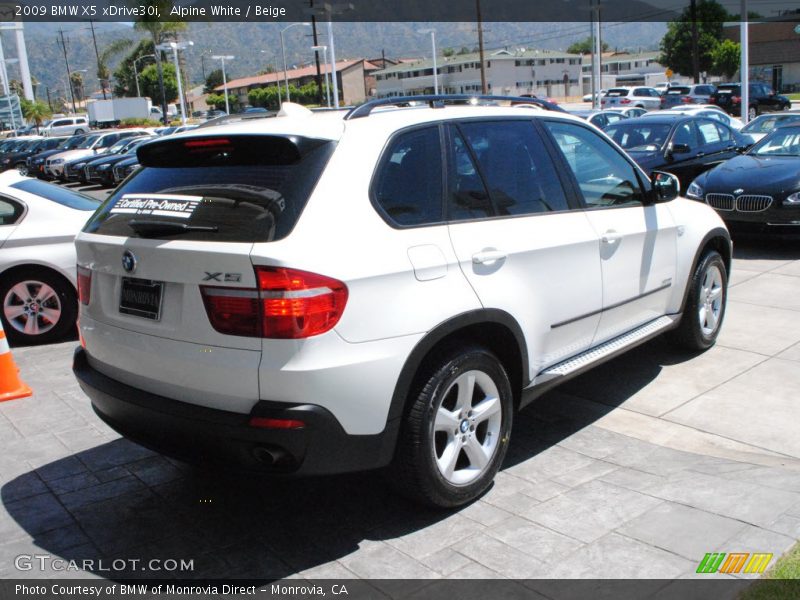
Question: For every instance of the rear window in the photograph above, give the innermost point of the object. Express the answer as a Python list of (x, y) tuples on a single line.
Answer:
[(678, 91), (728, 89), (220, 189), (57, 194), (617, 92)]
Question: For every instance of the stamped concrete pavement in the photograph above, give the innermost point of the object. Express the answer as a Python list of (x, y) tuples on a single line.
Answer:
[(634, 470)]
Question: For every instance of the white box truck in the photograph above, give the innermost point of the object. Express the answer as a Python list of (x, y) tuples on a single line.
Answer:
[(109, 113)]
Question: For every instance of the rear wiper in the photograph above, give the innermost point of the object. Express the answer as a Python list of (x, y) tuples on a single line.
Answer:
[(155, 228)]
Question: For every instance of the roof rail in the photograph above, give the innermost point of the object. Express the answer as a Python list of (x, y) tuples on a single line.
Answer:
[(235, 118), (440, 100)]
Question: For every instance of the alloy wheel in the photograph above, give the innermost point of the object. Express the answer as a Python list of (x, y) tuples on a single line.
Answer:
[(32, 307), (710, 302)]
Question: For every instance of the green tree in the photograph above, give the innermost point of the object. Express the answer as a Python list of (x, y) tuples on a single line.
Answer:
[(35, 112), (447, 52), (265, 97), (124, 76), (585, 47), (76, 80), (218, 101), (464, 50), (213, 80), (676, 45), (725, 58), (148, 81), (105, 56)]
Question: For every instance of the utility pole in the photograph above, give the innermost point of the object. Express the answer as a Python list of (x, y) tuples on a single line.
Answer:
[(316, 53), (69, 78), (484, 87), (597, 55), (695, 57), (97, 56)]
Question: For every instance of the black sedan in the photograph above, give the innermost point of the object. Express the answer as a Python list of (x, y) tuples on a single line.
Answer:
[(19, 159), (759, 190), (679, 144), (101, 169)]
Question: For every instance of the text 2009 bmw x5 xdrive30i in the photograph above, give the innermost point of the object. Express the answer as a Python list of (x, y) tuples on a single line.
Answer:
[(318, 294)]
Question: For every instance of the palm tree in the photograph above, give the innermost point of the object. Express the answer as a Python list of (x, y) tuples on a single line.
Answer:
[(115, 47), (36, 112)]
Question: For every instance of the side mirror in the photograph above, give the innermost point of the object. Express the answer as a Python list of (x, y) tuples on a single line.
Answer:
[(666, 186)]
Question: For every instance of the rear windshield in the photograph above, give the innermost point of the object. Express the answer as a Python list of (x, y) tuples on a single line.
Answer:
[(57, 194), (727, 89), (678, 91), (221, 189), (617, 92)]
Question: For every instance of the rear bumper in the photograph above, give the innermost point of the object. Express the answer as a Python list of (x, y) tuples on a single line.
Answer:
[(209, 436)]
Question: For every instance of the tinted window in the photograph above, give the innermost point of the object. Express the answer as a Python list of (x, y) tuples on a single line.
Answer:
[(234, 189), (781, 142), (57, 194), (617, 92), (9, 211), (108, 140), (409, 183), (765, 124), (516, 167), (468, 197), (686, 134), (678, 91), (641, 136), (605, 178), (62, 122)]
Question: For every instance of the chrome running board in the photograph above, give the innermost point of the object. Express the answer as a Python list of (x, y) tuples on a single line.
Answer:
[(605, 350)]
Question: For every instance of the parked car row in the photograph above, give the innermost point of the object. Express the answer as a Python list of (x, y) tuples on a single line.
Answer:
[(727, 96)]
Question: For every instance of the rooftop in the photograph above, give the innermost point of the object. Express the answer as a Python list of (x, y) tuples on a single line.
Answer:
[(278, 76), (460, 59)]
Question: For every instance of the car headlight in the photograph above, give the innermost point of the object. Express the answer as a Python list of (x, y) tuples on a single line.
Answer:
[(792, 199), (6, 161), (695, 191)]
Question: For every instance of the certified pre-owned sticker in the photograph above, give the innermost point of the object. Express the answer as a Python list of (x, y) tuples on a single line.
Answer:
[(160, 205)]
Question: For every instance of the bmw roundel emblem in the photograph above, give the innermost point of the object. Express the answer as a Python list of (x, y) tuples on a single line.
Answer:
[(739, 191), (129, 261)]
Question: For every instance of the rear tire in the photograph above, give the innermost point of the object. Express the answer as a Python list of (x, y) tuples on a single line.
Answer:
[(705, 307), (455, 434), (37, 305), (752, 113), (78, 132)]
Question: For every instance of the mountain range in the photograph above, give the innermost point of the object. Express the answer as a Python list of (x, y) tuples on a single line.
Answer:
[(256, 45)]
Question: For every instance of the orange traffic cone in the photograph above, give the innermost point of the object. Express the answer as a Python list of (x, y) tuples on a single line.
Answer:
[(11, 387)]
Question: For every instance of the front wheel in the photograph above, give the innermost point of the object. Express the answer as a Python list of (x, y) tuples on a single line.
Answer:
[(455, 434), (79, 132), (705, 306)]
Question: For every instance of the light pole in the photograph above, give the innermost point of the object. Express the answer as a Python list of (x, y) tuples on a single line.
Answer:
[(433, 46), (136, 72), (283, 53), (223, 58), (325, 73), (175, 46)]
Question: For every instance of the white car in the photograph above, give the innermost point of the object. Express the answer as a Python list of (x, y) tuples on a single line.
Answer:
[(588, 97), (640, 96), (319, 293), (711, 113), (94, 144), (38, 223), (65, 126)]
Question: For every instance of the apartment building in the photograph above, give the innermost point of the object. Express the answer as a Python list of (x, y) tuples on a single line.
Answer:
[(509, 72)]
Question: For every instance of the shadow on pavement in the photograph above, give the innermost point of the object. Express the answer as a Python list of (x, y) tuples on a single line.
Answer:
[(121, 501)]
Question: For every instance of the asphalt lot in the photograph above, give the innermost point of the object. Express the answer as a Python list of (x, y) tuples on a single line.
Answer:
[(634, 470)]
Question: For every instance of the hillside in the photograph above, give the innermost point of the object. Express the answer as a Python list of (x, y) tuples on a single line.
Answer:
[(257, 45)]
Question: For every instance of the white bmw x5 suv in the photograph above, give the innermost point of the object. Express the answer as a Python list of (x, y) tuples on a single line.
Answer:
[(328, 292)]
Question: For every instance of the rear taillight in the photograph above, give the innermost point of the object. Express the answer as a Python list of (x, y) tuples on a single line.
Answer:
[(288, 304), (267, 423), (687, 100), (84, 285), (625, 101), (736, 99)]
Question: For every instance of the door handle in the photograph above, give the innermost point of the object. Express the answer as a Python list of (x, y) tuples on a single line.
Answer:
[(610, 237), (488, 256), (701, 154)]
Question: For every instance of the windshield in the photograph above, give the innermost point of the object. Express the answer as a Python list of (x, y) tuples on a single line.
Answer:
[(118, 146), (87, 143), (57, 194), (639, 137), (72, 143), (767, 123), (678, 91), (782, 142)]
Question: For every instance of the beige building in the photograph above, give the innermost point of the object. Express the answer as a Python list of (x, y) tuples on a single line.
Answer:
[(353, 78), (509, 72), (774, 52)]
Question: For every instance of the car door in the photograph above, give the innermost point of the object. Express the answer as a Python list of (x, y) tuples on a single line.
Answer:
[(11, 213), (685, 153), (520, 238), (719, 141), (637, 239)]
